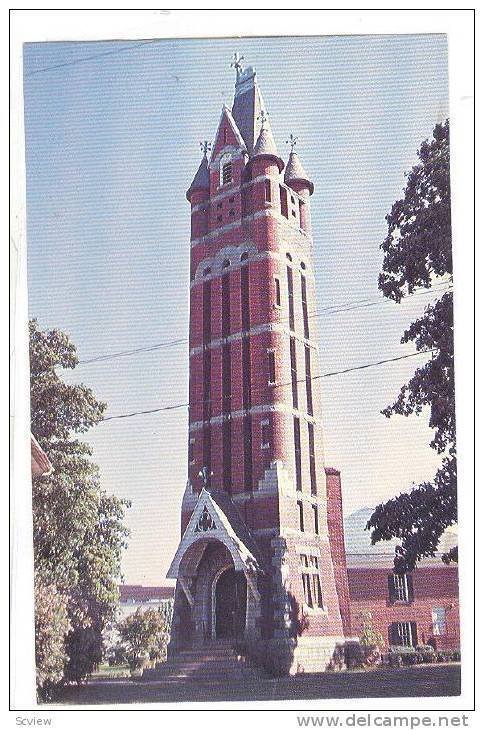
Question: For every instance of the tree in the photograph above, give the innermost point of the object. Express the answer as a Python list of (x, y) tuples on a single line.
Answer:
[(370, 637), (417, 253), (78, 529), (145, 634), (51, 627)]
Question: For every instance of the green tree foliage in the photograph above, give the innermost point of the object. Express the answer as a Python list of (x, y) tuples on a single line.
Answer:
[(78, 529), (417, 253), (145, 634), (51, 627), (370, 636)]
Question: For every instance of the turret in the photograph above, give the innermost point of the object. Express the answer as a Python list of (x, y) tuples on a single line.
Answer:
[(198, 194), (296, 178)]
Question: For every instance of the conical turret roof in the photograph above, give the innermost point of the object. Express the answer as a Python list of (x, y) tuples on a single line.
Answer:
[(265, 146), (295, 172), (201, 181)]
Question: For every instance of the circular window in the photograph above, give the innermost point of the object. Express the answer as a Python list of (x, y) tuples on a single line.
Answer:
[(226, 264)]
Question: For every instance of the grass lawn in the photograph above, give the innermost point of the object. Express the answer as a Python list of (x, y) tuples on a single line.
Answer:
[(430, 680)]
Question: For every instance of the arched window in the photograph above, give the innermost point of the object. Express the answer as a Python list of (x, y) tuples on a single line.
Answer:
[(226, 169), (244, 256), (207, 271), (288, 257)]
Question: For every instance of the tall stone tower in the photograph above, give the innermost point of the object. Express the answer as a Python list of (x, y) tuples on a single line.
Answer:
[(255, 558)]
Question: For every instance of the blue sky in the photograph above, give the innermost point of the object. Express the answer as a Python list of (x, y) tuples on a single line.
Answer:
[(112, 132)]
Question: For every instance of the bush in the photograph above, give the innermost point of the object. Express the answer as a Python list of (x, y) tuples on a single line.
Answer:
[(276, 660)]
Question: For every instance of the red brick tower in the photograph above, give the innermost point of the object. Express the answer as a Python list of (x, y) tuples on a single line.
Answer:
[(255, 559)]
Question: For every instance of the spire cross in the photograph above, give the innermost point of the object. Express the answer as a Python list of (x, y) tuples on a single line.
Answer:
[(292, 141), (237, 64), (263, 118), (205, 146)]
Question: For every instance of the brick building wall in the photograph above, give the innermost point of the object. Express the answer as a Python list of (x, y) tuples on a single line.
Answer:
[(435, 586)]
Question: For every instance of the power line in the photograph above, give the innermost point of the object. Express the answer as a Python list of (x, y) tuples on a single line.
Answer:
[(76, 61), (280, 385), (325, 311), (125, 353)]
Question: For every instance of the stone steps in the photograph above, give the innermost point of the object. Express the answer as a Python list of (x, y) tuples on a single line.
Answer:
[(213, 663)]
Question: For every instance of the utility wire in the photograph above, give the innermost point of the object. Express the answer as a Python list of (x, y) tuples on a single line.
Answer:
[(76, 61), (280, 385), (325, 311)]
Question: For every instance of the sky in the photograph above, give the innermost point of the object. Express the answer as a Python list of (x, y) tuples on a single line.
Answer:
[(112, 144)]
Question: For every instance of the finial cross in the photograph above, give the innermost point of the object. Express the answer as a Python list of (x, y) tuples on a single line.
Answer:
[(205, 146), (263, 118), (292, 141), (237, 64)]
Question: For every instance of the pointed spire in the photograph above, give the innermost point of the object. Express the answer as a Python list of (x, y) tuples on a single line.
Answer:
[(201, 181), (265, 145), (295, 176), (248, 103)]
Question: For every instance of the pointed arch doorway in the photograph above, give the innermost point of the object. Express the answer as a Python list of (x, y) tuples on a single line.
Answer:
[(230, 604)]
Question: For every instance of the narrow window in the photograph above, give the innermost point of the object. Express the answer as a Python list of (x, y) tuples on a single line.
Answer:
[(266, 433), (297, 453), (267, 190), (290, 295), (306, 581), (219, 206), (438, 621), (300, 508), (302, 215), (312, 459), (247, 453), (225, 169), (271, 357), (227, 173), (226, 303), (227, 455), (304, 300), (191, 451), (219, 219), (207, 449), (245, 298), (207, 313), (207, 375), (226, 378), (309, 380), (278, 292), (232, 213), (316, 519), (292, 350), (283, 200)]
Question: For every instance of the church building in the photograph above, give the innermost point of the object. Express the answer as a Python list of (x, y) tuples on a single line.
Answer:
[(261, 557)]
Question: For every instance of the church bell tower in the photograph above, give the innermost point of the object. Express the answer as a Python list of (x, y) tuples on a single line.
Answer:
[(256, 559)]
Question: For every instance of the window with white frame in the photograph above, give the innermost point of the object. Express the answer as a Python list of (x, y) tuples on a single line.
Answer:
[(311, 580), (399, 587), (403, 633), (438, 621)]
